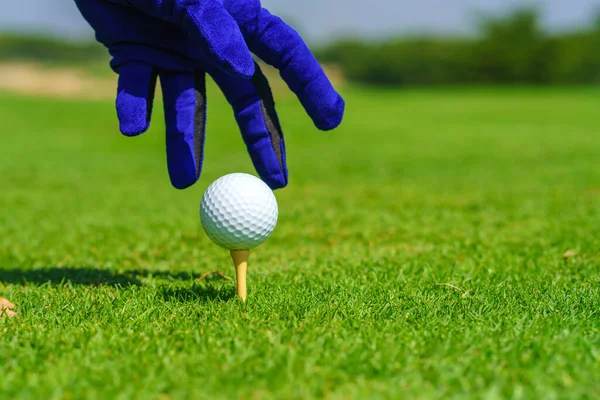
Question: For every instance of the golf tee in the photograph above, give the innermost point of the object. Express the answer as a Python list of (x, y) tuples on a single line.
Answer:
[(240, 260)]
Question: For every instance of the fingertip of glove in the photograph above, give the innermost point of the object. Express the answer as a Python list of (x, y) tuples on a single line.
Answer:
[(132, 129), (132, 113), (276, 185), (331, 114), (183, 183), (182, 175), (275, 182)]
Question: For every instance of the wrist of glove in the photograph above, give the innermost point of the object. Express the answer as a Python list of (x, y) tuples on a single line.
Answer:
[(180, 42)]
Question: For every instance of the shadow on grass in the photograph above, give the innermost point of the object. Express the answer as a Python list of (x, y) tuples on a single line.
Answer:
[(62, 275), (87, 276), (222, 291)]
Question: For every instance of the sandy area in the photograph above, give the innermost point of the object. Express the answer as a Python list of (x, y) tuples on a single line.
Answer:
[(36, 80), (6, 308)]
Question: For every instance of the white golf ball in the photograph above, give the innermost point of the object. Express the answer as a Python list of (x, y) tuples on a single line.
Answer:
[(238, 211)]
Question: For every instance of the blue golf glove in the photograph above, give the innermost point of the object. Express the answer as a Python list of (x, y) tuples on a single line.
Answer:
[(179, 42)]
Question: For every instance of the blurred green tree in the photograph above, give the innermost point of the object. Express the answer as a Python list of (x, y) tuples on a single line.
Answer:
[(513, 49)]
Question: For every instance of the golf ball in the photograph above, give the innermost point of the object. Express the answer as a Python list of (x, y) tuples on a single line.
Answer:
[(238, 211)]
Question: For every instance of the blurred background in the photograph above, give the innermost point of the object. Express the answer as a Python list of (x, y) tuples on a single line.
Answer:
[(382, 42)]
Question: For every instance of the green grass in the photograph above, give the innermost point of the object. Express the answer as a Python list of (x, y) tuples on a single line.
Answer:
[(419, 254)]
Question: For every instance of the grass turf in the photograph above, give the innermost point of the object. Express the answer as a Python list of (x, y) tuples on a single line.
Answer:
[(419, 253)]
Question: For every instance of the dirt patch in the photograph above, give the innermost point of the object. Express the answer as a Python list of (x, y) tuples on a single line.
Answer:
[(35, 80), (6, 308)]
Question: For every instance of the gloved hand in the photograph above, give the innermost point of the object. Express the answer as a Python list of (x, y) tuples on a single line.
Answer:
[(181, 41)]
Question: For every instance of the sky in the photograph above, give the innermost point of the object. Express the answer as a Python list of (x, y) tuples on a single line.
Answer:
[(322, 20)]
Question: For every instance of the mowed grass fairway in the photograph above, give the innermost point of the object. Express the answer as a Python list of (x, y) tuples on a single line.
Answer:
[(419, 254)]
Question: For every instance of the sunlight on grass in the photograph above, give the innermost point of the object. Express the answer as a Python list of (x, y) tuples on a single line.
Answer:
[(419, 253)]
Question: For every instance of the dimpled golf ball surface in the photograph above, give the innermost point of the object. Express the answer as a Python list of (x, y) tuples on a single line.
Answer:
[(238, 211)]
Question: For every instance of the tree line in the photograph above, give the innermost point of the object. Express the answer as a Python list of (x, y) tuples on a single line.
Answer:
[(43, 49), (510, 49)]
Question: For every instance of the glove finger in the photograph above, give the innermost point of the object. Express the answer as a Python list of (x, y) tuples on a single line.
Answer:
[(254, 109), (135, 97), (213, 28), (184, 97), (280, 46)]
